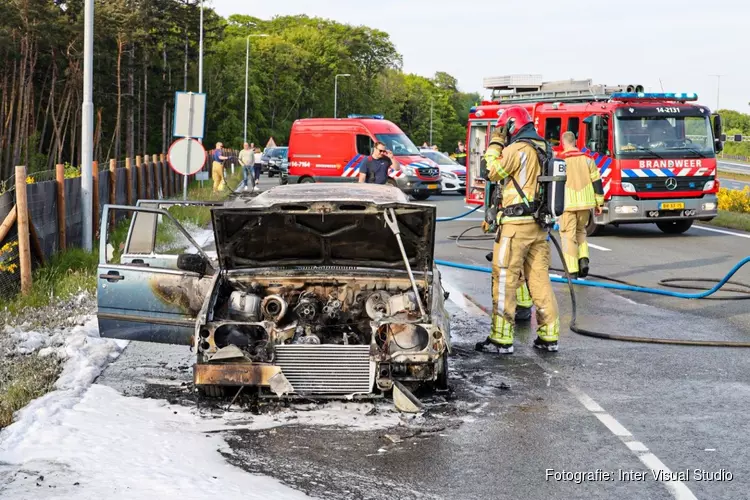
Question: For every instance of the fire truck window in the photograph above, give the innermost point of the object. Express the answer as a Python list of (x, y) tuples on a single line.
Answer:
[(364, 145), (573, 125), (552, 129)]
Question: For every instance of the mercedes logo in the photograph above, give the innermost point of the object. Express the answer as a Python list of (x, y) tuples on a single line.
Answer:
[(671, 183)]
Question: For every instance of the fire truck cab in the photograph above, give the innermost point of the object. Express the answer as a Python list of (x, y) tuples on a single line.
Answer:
[(656, 152)]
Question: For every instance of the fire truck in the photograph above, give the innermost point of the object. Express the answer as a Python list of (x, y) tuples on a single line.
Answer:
[(656, 152)]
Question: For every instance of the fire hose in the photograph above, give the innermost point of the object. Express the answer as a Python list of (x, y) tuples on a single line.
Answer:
[(614, 284)]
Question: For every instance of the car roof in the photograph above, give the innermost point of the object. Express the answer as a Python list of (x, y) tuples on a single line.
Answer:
[(323, 192)]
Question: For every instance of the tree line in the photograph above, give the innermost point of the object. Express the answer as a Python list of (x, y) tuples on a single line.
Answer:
[(145, 50), (735, 123)]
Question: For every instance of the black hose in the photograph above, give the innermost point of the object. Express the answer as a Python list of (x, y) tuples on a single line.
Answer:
[(609, 336)]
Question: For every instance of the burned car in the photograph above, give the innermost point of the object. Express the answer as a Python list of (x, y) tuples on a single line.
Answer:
[(314, 290)]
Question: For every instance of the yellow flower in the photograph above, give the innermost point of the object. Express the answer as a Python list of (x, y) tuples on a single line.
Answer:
[(735, 201)]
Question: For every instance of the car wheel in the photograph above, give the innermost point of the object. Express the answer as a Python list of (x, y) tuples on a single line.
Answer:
[(391, 182), (441, 381), (592, 228), (270, 174), (674, 227), (307, 180), (420, 196)]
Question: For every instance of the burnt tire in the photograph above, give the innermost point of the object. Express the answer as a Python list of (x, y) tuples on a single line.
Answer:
[(420, 196), (441, 381), (211, 391), (675, 226)]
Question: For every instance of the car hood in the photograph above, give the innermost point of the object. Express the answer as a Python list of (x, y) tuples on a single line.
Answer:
[(290, 225)]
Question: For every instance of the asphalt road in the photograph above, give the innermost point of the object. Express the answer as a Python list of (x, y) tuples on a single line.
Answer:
[(597, 406), (737, 168)]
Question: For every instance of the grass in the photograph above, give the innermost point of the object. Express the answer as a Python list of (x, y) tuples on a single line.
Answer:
[(23, 379), (733, 176), (731, 220), (64, 275)]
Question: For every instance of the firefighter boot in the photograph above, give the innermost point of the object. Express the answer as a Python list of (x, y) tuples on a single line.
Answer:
[(523, 302), (583, 266)]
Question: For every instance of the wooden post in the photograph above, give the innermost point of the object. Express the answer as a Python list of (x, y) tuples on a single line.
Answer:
[(159, 177), (149, 174), (165, 169), (112, 188), (7, 224), (129, 180), (62, 221), (95, 204), (139, 170), (24, 250)]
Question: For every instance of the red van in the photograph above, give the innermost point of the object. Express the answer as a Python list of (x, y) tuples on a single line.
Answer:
[(334, 149)]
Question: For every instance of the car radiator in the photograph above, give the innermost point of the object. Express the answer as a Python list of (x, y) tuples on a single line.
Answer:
[(327, 369)]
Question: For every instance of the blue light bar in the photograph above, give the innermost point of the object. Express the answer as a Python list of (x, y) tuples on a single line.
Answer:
[(669, 96), (374, 117)]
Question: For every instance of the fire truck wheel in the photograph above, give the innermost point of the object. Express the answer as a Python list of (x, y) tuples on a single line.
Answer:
[(592, 228), (306, 180), (675, 227)]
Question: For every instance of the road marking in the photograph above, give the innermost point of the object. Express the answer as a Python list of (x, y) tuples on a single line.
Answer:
[(721, 231), (678, 489), (591, 245)]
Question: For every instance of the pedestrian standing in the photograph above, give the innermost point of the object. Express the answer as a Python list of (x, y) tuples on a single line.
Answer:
[(247, 161), (217, 168), (256, 169), (583, 193), (375, 170)]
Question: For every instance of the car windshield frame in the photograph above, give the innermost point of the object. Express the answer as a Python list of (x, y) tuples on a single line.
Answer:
[(390, 140), (663, 137)]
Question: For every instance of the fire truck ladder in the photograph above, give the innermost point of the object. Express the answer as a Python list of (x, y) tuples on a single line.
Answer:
[(530, 88)]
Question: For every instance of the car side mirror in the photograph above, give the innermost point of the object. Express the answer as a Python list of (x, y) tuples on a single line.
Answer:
[(192, 262), (718, 132)]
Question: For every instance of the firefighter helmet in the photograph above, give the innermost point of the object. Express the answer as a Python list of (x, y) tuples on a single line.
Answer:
[(513, 120)]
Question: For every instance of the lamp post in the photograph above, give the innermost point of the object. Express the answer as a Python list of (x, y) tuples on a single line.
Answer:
[(200, 55), (718, 89), (432, 107), (247, 74), (87, 127), (336, 93)]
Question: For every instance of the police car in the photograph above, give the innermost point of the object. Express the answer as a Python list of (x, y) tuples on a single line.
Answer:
[(452, 175)]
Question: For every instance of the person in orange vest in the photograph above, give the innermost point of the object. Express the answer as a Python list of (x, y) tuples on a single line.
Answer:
[(583, 193)]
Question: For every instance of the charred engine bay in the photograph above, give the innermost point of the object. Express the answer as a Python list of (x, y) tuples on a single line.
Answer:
[(255, 315)]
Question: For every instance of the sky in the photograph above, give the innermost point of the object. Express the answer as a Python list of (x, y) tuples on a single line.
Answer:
[(656, 43)]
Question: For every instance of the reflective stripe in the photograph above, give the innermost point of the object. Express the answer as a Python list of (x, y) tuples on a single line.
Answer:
[(523, 297), (583, 250), (522, 176), (549, 332)]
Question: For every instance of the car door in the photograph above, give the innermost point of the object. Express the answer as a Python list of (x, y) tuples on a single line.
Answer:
[(152, 278)]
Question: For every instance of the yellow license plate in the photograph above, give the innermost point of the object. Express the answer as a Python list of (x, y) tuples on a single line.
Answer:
[(671, 206), (432, 186)]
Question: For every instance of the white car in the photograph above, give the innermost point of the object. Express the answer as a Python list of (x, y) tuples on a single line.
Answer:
[(452, 174)]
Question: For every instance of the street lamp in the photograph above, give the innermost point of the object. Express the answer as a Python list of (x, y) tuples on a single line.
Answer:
[(200, 55), (247, 73), (432, 107), (718, 89), (336, 92), (87, 126)]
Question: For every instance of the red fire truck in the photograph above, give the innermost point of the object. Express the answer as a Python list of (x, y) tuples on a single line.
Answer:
[(656, 152)]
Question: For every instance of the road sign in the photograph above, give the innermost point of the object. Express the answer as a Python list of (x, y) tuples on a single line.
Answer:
[(189, 114), (186, 156)]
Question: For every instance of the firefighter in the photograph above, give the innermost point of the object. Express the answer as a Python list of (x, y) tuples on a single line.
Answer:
[(521, 244), (460, 154), (583, 192), (523, 296)]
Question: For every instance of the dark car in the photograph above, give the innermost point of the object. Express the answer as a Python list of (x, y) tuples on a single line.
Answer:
[(268, 155), (278, 158)]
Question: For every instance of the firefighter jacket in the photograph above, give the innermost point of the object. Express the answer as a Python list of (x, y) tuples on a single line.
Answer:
[(460, 157), (583, 186), (520, 161)]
